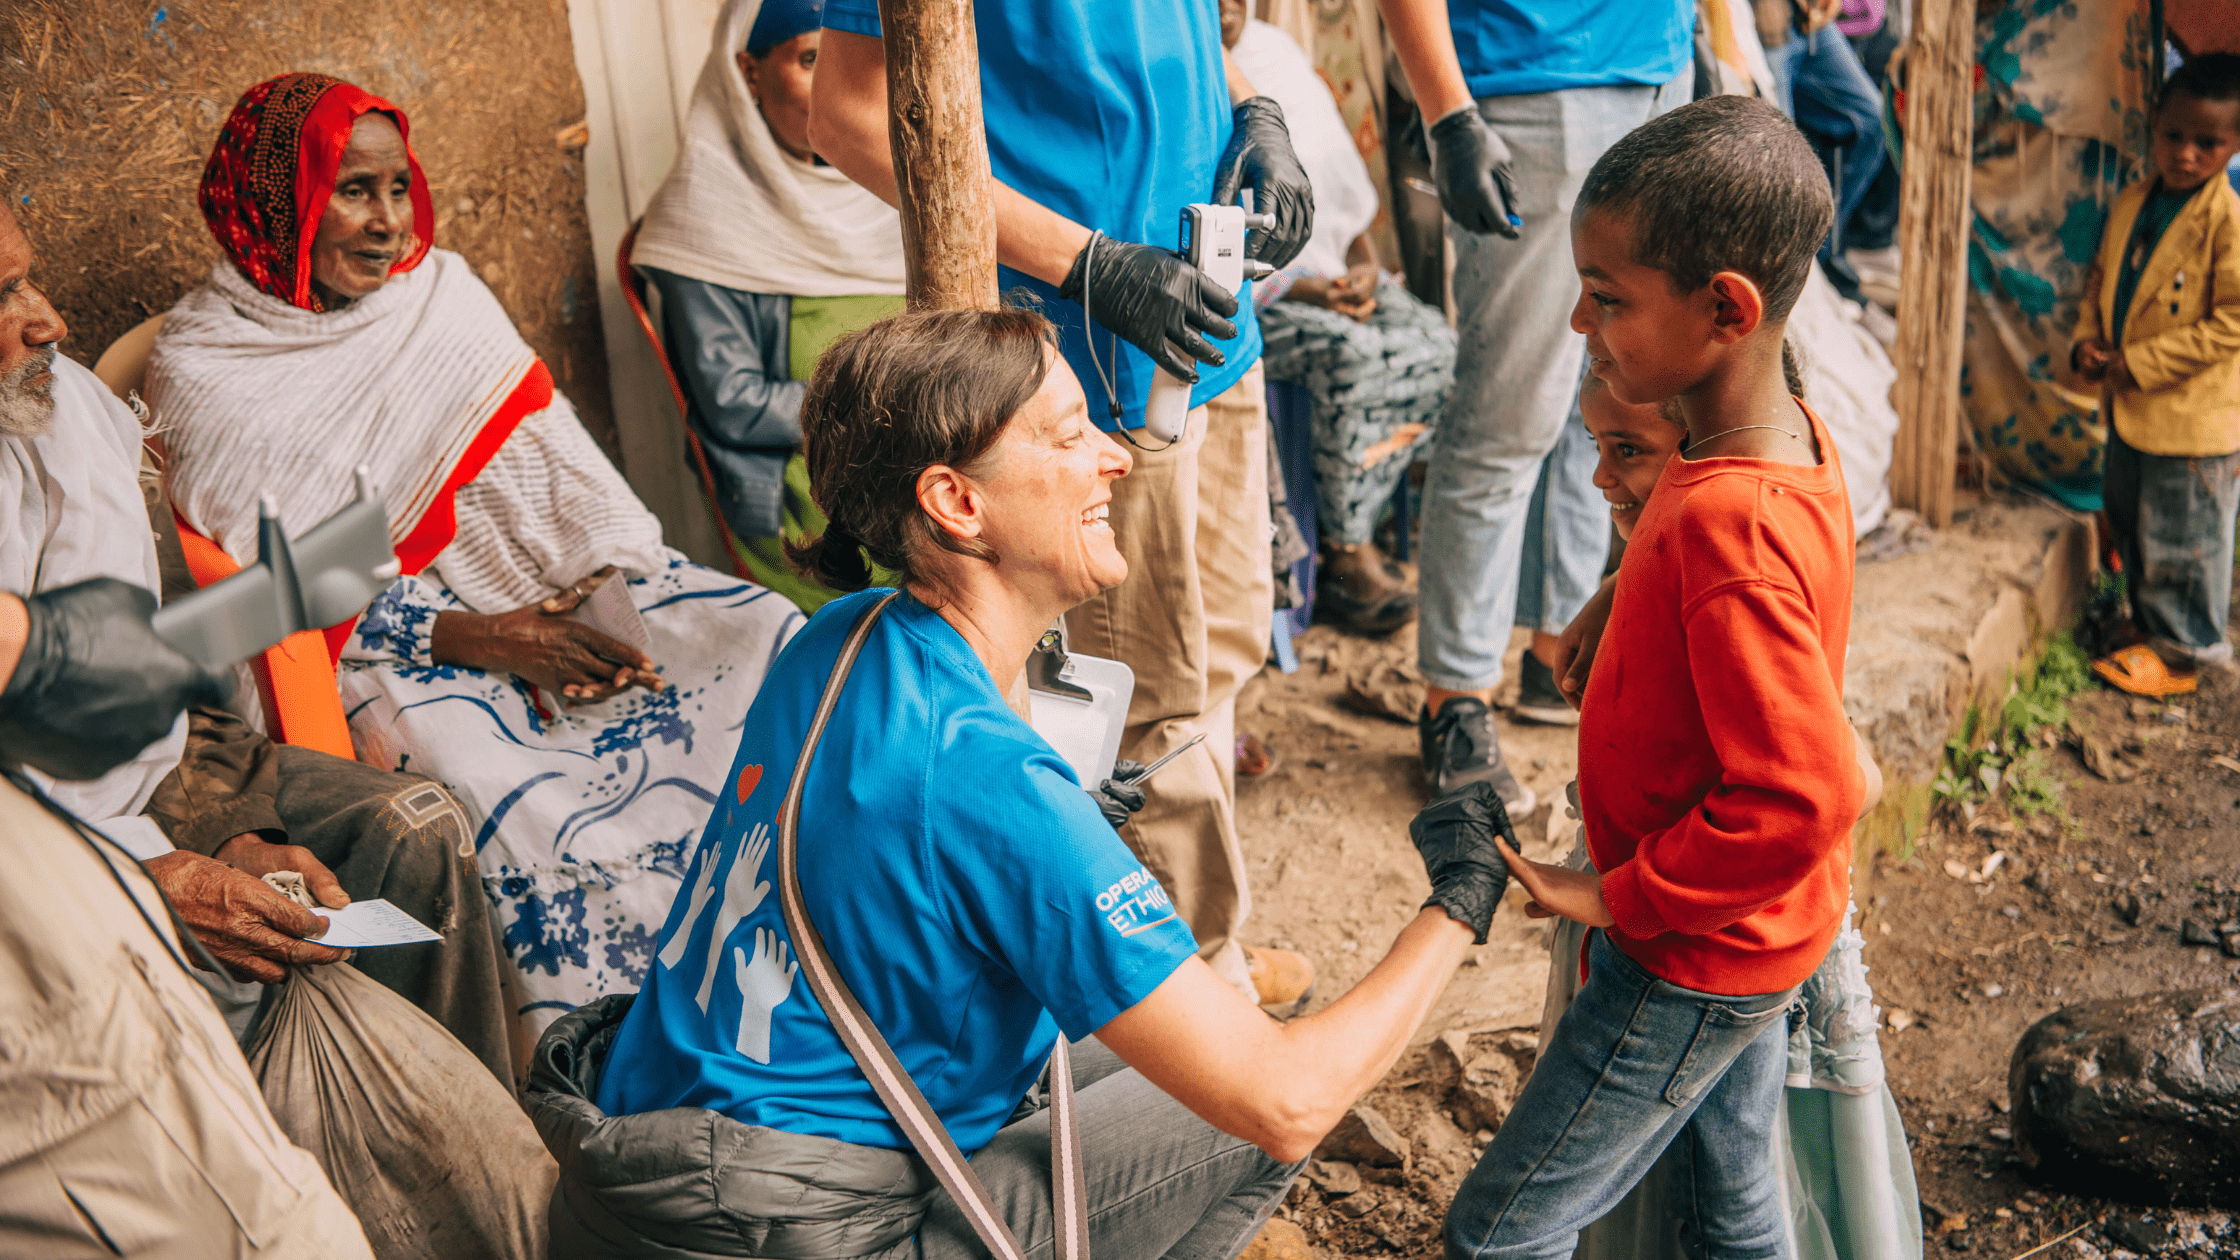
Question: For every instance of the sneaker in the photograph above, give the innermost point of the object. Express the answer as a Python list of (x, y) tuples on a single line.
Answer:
[(1538, 697), (1459, 747), (1279, 976)]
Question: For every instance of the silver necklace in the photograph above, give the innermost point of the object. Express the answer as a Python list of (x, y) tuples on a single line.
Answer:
[(1740, 428)]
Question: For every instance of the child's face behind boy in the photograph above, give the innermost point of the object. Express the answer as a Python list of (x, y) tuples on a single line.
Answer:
[(1644, 340), (1635, 441), (2194, 139)]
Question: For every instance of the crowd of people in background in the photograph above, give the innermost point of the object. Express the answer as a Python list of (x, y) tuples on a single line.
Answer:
[(754, 888)]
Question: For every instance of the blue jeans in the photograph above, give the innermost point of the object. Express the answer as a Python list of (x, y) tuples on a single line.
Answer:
[(1516, 382), (2172, 516), (1637, 1065), (1566, 533), (1825, 88)]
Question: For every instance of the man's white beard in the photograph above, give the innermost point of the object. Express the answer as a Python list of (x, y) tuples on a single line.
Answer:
[(27, 410)]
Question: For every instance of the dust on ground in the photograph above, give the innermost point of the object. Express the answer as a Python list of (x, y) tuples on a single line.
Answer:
[(1962, 962)]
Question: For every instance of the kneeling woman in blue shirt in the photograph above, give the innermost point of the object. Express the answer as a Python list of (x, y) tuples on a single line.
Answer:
[(968, 891)]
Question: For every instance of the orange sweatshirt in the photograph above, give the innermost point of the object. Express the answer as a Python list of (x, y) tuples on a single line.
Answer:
[(1716, 770)]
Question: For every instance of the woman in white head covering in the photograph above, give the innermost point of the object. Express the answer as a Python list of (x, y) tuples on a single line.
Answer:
[(759, 255)]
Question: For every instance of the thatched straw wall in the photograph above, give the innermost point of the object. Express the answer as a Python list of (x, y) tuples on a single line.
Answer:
[(108, 108)]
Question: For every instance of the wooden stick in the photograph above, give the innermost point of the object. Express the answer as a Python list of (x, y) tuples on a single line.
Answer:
[(940, 153), (2064, 1238), (1933, 215)]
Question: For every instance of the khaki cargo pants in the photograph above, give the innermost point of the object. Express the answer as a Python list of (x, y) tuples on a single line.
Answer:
[(1192, 621)]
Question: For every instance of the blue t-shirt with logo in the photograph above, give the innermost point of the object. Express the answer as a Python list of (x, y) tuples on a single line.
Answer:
[(1513, 47), (1114, 115), (971, 895)]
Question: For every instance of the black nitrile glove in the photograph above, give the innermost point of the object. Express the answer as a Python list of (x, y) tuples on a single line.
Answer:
[(1470, 164), (1153, 300), (1455, 835), (1118, 797), (1260, 156), (95, 685)]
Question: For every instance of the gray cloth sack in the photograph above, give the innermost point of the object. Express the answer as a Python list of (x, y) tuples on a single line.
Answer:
[(687, 1183)]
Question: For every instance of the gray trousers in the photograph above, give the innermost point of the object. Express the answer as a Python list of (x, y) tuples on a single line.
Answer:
[(2173, 521), (1162, 1182)]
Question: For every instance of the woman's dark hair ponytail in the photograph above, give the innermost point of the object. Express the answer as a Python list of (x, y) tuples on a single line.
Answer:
[(833, 559)]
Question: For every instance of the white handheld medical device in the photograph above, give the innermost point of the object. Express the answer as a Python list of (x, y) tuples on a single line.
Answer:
[(322, 579), (1213, 242)]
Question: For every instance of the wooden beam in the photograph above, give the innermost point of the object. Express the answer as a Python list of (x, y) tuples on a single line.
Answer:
[(1933, 216), (940, 153)]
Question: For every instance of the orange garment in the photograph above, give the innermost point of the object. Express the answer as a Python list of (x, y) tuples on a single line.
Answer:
[(1716, 768)]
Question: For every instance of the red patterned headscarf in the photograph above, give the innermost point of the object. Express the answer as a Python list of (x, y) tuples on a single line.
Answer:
[(271, 174)]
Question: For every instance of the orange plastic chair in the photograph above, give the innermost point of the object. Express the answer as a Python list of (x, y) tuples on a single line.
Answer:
[(633, 292)]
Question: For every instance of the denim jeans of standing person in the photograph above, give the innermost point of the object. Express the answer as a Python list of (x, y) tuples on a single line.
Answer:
[(1826, 89), (2173, 521), (1566, 534), (1516, 383), (1637, 1065)]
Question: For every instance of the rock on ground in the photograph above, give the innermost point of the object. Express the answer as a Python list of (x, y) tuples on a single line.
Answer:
[(2139, 1097)]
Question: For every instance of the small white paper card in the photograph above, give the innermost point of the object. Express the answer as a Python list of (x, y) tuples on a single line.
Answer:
[(375, 921), (610, 611)]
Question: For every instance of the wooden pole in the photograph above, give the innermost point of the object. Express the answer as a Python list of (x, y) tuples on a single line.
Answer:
[(1933, 216), (940, 153)]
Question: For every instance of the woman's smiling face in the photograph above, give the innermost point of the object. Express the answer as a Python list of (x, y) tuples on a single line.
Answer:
[(1636, 440), (1048, 483), (368, 221)]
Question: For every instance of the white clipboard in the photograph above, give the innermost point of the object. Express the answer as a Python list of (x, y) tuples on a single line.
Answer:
[(1086, 732)]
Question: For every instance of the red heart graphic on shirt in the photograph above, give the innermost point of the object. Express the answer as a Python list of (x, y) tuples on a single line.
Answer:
[(748, 777)]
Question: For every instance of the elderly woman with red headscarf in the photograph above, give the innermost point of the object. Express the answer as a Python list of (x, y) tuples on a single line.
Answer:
[(571, 679)]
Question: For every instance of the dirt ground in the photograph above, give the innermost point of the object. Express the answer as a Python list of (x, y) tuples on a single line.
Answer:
[(1962, 962)]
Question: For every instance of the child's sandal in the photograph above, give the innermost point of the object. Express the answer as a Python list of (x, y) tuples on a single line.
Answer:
[(2138, 671)]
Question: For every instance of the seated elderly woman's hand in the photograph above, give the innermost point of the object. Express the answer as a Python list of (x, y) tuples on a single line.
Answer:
[(249, 927), (543, 646)]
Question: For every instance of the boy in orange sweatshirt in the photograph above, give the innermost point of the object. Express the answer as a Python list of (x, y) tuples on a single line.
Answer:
[(1715, 764)]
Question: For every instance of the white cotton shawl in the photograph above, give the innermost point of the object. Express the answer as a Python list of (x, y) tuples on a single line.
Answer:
[(254, 396), (1345, 198), (738, 211), (71, 509)]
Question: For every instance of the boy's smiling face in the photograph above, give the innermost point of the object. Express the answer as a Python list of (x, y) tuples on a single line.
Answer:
[(1644, 340), (2194, 139), (1635, 441)]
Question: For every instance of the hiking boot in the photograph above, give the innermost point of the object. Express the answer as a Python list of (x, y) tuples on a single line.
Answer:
[(1459, 747), (1358, 589), (1538, 697), (1281, 977)]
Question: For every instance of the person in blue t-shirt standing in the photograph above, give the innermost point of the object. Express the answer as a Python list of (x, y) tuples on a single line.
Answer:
[(953, 875), (1519, 97), (1103, 122)]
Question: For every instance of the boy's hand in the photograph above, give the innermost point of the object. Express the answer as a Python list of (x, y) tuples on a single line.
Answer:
[(1575, 647), (2090, 358), (2119, 372), (1559, 891)]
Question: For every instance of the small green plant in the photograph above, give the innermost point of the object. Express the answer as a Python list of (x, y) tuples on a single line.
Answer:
[(2004, 759)]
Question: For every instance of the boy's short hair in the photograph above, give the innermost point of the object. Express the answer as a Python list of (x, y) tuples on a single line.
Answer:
[(1723, 184), (2208, 77)]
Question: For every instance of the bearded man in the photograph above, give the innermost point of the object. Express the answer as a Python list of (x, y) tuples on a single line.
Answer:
[(213, 806)]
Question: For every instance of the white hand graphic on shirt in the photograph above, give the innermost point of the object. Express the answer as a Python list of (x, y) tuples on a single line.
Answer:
[(741, 894), (763, 984), (696, 901)]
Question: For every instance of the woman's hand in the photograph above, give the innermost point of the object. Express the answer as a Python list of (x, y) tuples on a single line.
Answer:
[(1576, 646), (542, 646), (1559, 891)]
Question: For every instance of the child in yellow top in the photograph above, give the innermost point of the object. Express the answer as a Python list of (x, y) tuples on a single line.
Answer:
[(2159, 330)]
